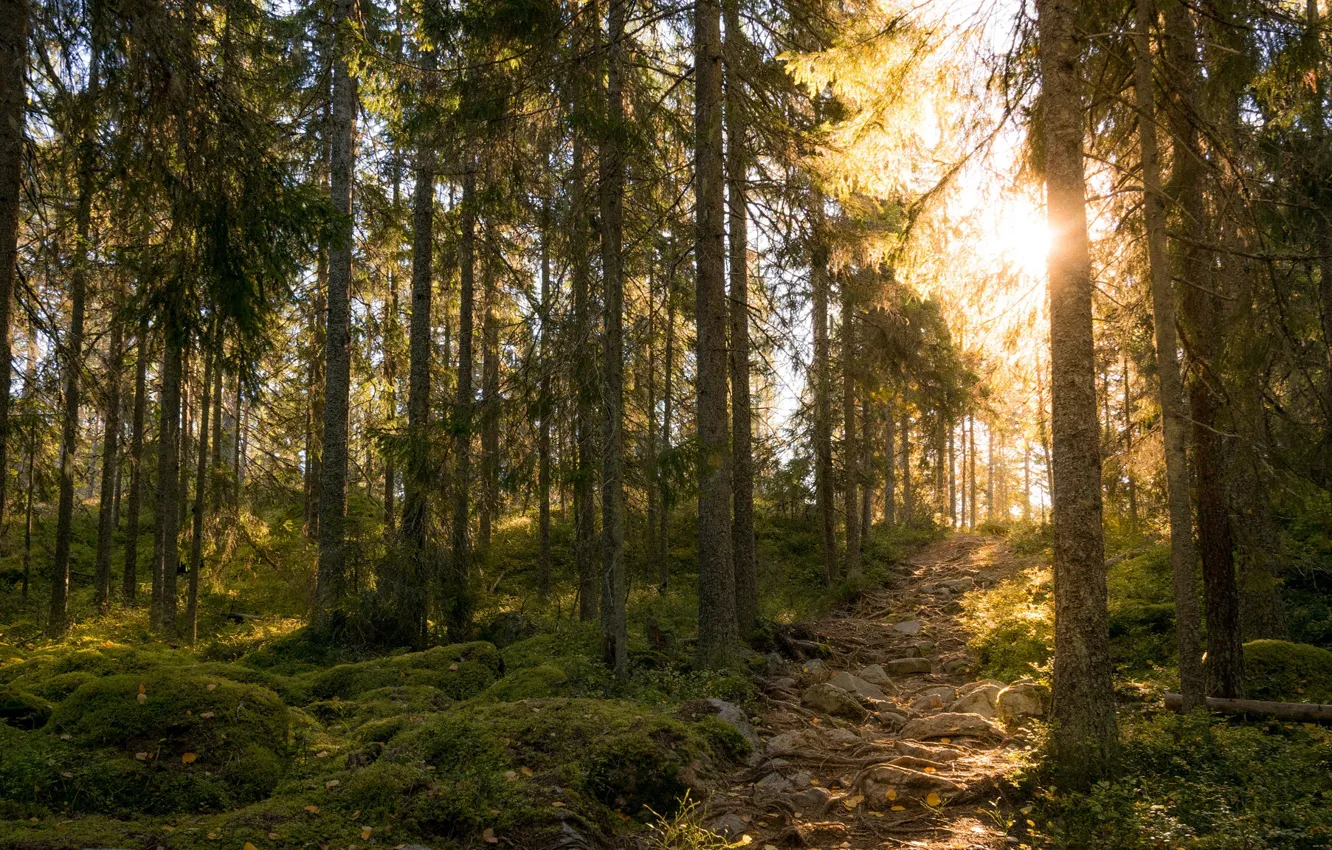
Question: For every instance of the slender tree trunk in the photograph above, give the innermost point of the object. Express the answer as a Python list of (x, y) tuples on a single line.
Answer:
[(971, 470), (989, 472), (546, 405), (27, 519), (167, 557), (110, 462), (314, 413), (1322, 192), (614, 581), (952, 474), (667, 397), (908, 496), (200, 494), (458, 604), (415, 501), (1225, 652), (332, 579), (73, 364), (889, 462), (130, 579), (823, 485), (215, 443), (1083, 738), (866, 464), (1170, 387), (717, 634), (851, 442), (585, 384), (1128, 443), (13, 100), (651, 457), (488, 510)]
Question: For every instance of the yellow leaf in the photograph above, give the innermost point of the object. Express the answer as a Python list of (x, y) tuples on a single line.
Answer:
[(142, 756), (314, 810), (557, 804), (890, 794), (332, 783), (489, 835), (366, 832), (852, 802), (323, 754), (249, 846), (207, 715), (526, 771), (143, 698), (189, 758), (166, 827), (932, 799), (272, 836), (212, 686), (213, 836), (945, 740), (899, 808), (929, 770)]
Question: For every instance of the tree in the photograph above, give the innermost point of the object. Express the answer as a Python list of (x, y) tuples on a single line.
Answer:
[(1083, 737), (13, 100)]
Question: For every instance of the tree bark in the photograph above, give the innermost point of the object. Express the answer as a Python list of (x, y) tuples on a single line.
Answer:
[(717, 633), (106, 519), (488, 510), (851, 442), (667, 397), (908, 496), (889, 462), (13, 100), (166, 558), (1183, 555), (823, 485), (200, 494), (130, 578), (458, 603), (545, 404), (614, 581), (1083, 737), (331, 588)]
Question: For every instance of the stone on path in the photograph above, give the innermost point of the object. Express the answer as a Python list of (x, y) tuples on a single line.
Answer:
[(981, 700), (810, 802), (883, 784), (910, 627), (950, 725), (842, 738), (907, 666), (831, 699), (876, 675), (934, 698), (857, 686), (891, 719), (815, 671), (732, 826), (1023, 699), (787, 742)]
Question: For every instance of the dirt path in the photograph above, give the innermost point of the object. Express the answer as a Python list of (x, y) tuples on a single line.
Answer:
[(838, 766)]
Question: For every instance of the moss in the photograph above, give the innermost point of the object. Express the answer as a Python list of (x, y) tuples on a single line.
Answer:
[(1294, 672), (723, 738), (22, 710), (349, 715), (183, 740), (576, 642), (547, 680), (459, 670)]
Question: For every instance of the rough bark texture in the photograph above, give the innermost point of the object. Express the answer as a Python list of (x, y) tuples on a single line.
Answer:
[(130, 578), (823, 495), (908, 496), (667, 397), (889, 463), (850, 439), (614, 581), (331, 588), (1083, 735), (1225, 654), (166, 558), (106, 517), (742, 451), (545, 409), (458, 601), (1183, 555), (584, 373), (13, 97), (488, 510), (200, 498), (717, 636)]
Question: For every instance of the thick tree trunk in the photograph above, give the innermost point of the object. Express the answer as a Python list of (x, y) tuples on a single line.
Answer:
[(130, 579), (106, 519), (331, 589), (742, 451), (717, 635), (458, 601), (200, 494), (1083, 736), (614, 581), (488, 510), (1225, 656), (1183, 555), (166, 558), (314, 421), (584, 372), (13, 100), (415, 502), (73, 360), (851, 442), (823, 484)]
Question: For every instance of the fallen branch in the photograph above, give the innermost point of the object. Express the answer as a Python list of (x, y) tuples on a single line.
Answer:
[(1298, 712)]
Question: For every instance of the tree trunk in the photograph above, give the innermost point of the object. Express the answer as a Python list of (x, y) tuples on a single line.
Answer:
[(1183, 555), (742, 452), (851, 443), (1083, 736), (889, 462), (167, 555), (490, 395), (200, 494), (27, 520), (614, 582), (866, 464), (13, 100), (717, 635), (971, 470), (667, 397), (823, 484), (130, 579), (1322, 194), (314, 421), (908, 497), (458, 601), (952, 474), (545, 405), (215, 444), (110, 461), (73, 363), (1225, 655), (332, 579)]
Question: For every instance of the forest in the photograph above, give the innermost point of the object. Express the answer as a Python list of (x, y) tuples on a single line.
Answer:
[(665, 424)]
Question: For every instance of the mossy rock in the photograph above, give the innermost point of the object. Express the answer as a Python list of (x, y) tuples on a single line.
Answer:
[(22, 710), (460, 671), (579, 641), (182, 740), (379, 704), (546, 680), (1287, 672), (1142, 617)]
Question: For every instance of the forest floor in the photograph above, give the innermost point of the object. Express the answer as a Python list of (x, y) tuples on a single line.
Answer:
[(926, 769)]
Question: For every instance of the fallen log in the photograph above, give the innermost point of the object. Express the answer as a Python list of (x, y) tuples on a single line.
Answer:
[(1296, 712)]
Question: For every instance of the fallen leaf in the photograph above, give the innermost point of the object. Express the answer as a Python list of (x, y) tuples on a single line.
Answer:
[(213, 836), (489, 835), (890, 794), (945, 740), (189, 758), (899, 808), (249, 846), (322, 754), (212, 686), (332, 783), (66, 774), (69, 737), (314, 810), (356, 814), (930, 770), (511, 775), (207, 715), (166, 827), (557, 804), (453, 668), (526, 771), (852, 802), (366, 832), (932, 799), (272, 836)]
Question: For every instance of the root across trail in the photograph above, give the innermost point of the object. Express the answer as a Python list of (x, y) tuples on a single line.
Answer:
[(887, 742)]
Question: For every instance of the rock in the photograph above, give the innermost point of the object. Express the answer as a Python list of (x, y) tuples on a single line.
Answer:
[(727, 712), (831, 699), (959, 585), (774, 663), (982, 700), (810, 802), (730, 825), (891, 719), (884, 783), (950, 725), (507, 628), (932, 753), (934, 699), (829, 833), (857, 686), (970, 687), (801, 778), (910, 627), (1024, 699), (876, 675), (785, 683), (815, 671), (907, 666), (842, 738), (774, 783), (787, 742)]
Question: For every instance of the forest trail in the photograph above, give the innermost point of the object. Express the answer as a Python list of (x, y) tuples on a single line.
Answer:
[(921, 767)]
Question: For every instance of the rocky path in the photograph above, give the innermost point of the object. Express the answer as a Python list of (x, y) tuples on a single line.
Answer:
[(888, 742)]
